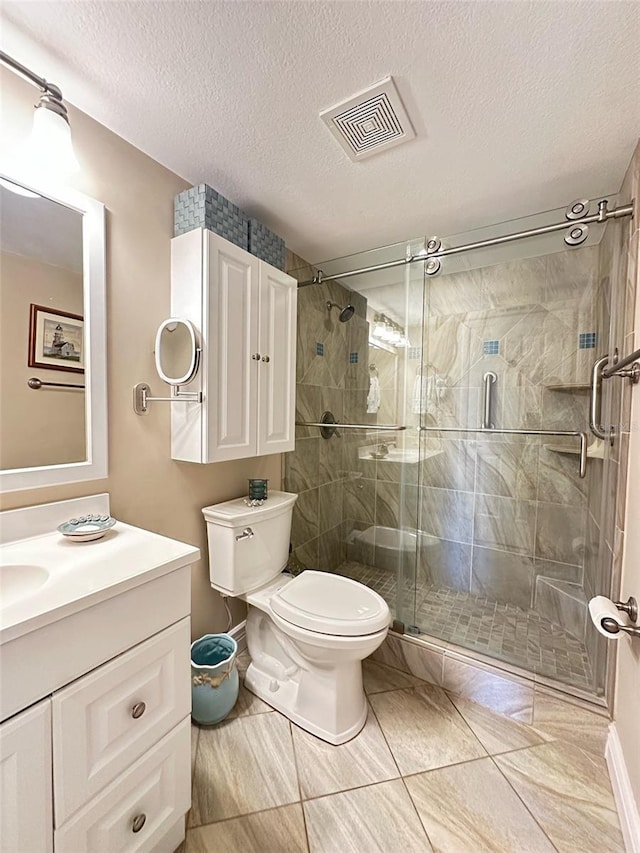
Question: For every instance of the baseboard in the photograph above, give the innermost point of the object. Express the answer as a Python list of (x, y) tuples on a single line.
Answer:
[(239, 634), (622, 792)]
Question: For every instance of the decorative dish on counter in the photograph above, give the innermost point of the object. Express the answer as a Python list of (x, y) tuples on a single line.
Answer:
[(86, 528)]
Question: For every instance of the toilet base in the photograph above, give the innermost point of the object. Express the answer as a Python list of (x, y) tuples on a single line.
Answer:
[(284, 700)]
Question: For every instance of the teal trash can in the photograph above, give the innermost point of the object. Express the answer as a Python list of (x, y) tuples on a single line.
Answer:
[(214, 678)]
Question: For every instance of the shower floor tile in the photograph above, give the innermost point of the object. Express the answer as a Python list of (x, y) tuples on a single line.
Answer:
[(519, 637)]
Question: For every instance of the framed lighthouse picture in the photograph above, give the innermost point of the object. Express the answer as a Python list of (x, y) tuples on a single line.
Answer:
[(56, 339)]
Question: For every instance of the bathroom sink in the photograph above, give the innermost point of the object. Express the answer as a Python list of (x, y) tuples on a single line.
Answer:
[(18, 581)]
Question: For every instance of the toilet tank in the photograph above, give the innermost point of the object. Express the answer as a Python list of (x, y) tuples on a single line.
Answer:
[(248, 546)]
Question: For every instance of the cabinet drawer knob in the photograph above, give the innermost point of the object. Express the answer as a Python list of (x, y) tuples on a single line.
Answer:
[(266, 358), (256, 356), (138, 822), (138, 710)]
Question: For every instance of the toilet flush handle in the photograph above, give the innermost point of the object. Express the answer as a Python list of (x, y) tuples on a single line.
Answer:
[(247, 533)]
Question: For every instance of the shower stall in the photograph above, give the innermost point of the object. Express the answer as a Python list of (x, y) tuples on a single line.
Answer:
[(444, 452)]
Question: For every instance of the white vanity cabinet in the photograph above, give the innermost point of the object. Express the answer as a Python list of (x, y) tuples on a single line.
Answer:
[(96, 689), (25, 781), (245, 311)]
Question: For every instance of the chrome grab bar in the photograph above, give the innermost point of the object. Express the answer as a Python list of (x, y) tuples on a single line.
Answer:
[(337, 424), (581, 435), (490, 378), (595, 406)]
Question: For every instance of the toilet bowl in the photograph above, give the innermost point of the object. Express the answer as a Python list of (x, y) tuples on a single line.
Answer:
[(307, 635)]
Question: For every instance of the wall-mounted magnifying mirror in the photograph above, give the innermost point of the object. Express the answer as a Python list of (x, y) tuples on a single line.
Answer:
[(177, 352)]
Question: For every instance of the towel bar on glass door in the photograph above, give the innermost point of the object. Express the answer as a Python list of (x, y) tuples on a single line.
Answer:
[(373, 427), (581, 435)]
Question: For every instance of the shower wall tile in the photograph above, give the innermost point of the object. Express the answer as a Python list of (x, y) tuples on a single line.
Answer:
[(448, 463), (515, 283), (559, 480), (360, 499), (558, 571), (302, 465), (388, 504), (538, 344), (304, 525), (330, 505), (307, 409), (444, 563), (447, 514), (520, 407), (505, 524), (331, 549), (561, 533), (571, 275), (463, 290), (308, 554), (502, 576), (460, 407), (508, 468)]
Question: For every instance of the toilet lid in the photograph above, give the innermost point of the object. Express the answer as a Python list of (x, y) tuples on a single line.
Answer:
[(331, 604)]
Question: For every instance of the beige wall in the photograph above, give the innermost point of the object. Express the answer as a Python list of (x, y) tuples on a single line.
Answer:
[(44, 427), (147, 488), (627, 694)]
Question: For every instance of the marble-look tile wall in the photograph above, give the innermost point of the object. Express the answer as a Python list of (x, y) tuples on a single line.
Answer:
[(332, 374), (507, 510)]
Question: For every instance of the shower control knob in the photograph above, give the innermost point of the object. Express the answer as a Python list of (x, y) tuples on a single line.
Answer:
[(256, 356), (266, 358)]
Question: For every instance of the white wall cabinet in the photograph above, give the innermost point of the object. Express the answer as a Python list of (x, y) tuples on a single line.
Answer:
[(25, 781), (245, 311)]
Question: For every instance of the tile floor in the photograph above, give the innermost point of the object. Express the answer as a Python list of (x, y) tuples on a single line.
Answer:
[(430, 771), (503, 631)]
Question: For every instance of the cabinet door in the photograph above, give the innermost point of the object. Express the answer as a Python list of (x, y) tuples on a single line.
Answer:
[(25, 782), (110, 717), (277, 377), (232, 341), (135, 813)]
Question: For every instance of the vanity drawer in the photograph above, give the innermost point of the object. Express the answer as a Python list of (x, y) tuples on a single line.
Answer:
[(106, 720), (153, 795)]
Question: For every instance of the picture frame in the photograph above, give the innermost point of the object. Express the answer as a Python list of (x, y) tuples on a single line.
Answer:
[(56, 339)]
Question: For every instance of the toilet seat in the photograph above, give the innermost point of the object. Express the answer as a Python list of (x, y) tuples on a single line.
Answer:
[(330, 604)]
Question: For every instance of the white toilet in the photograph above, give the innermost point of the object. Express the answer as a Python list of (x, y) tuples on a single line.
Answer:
[(307, 635)]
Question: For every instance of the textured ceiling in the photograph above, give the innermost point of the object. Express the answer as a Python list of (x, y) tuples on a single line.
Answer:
[(517, 106)]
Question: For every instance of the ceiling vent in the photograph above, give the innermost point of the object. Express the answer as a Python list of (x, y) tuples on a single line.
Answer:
[(371, 121)]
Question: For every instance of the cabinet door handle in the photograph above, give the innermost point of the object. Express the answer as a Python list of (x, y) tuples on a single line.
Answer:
[(266, 358), (256, 356), (138, 710), (138, 822)]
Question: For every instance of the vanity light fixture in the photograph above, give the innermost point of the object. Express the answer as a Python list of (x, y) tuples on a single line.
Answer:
[(48, 153), (389, 331)]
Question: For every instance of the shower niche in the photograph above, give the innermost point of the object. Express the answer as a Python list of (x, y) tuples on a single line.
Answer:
[(245, 312)]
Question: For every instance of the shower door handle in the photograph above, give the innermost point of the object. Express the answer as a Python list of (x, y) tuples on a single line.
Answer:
[(490, 379), (595, 402)]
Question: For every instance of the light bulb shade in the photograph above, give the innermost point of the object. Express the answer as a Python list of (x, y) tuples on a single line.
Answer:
[(379, 329), (49, 149)]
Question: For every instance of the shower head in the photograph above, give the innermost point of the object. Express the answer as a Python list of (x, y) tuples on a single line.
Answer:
[(346, 313)]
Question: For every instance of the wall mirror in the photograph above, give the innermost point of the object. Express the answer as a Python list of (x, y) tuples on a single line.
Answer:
[(176, 351), (52, 337)]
